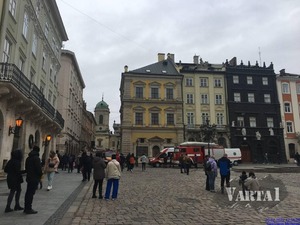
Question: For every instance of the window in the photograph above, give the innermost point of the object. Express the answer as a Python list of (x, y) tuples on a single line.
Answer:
[(44, 61), (169, 93), (51, 72), (235, 79), (204, 99), (237, 97), (267, 98), (252, 121), (219, 100), (34, 44), (287, 107), (46, 31), (154, 119), (170, 119), (21, 63), (189, 99), (203, 82), (249, 80), (219, 118), (240, 121), (42, 87), (189, 81), (49, 96), (138, 118), (204, 117), (139, 92), (25, 25), (6, 50), (218, 83), (190, 118), (251, 97), (154, 93), (289, 127), (285, 88), (101, 119), (265, 81), (298, 88), (54, 100), (270, 122), (12, 7)]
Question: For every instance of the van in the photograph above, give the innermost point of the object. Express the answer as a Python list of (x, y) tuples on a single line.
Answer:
[(158, 160), (234, 155)]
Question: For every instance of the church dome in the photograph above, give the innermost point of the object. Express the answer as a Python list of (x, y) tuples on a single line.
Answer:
[(102, 105)]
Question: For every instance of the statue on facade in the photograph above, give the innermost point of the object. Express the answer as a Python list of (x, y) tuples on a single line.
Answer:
[(271, 131), (244, 132), (258, 135)]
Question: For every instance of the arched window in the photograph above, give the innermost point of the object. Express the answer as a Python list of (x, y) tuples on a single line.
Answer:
[(101, 119)]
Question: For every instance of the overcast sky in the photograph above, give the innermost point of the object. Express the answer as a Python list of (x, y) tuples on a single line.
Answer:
[(106, 35)]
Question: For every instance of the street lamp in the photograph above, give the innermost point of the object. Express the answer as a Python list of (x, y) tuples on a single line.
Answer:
[(16, 128), (208, 131), (47, 140)]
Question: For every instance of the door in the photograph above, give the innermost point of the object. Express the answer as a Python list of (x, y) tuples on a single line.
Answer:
[(246, 154)]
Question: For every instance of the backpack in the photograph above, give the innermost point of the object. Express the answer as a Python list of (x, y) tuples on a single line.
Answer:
[(208, 166)]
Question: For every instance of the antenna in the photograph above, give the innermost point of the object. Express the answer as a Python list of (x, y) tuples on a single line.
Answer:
[(259, 54)]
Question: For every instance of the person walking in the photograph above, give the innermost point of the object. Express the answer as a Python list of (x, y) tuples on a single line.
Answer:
[(71, 163), (144, 160), (224, 164), (131, 162), (181, 163), (187, 164), (122, 161), (14, 179), (86, 166), (98, 174), (113, 174), (212, 174), (51, 166), (252, 184), (33, 176), (206, 168)]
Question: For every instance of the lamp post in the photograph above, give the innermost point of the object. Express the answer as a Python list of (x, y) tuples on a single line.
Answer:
[(208, 131), (16, 128)]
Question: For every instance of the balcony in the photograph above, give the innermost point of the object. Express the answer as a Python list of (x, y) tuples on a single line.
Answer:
[(15, 83)]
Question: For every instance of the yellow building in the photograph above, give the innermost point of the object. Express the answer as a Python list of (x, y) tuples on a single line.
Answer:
[(151, 107), (204, 95)]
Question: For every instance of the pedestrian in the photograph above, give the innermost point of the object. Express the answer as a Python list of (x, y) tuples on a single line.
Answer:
[(224, 164), (171, 159), (71, 163), (128, 161), (98, 174), (131, 162), (196, 161), (181, 163), (113, 174), (266, 158), (252, 184), (242, 179), (165, 160), (212, 173), (77, 163), (206, 170), (33, 176), (60, 160), (122, 161), (187, 164), (144, 160), (14, 179), (86, 166), (51, 165), (64, 162)]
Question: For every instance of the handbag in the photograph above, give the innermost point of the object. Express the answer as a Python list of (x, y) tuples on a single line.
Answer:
[(51, 164)]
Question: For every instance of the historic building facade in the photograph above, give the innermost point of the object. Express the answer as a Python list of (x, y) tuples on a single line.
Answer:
[(31, 36), (288, 86), (151, 107), (254, 112), (204, 104), (70, 103)]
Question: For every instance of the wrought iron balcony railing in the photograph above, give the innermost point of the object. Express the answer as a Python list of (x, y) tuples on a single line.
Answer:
[(10, 73)]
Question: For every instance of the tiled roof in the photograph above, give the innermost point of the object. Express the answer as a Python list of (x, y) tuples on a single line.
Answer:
[(165, 67)]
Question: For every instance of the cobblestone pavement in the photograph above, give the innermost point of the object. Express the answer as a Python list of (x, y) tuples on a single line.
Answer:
[(165, 196)]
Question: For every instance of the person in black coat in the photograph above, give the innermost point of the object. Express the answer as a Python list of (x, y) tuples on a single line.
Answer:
[(34, 173), (86, 166), (14, 179)]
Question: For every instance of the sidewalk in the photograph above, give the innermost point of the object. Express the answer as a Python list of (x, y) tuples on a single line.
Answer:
[(51, 205), (267, 168)]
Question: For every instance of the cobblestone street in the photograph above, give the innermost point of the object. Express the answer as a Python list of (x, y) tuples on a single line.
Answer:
[(165, 196)]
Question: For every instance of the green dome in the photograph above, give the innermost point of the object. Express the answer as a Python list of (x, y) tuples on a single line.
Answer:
[(102, 105)]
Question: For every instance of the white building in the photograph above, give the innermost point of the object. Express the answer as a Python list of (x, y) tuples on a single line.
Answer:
[(31, 36)]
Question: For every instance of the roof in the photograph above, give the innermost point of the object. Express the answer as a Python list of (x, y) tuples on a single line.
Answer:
[(102, 105), (164, 67)]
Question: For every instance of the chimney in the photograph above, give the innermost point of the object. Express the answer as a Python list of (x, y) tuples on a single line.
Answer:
[(161, 57), (125, 68), (232, 62), (282, 71), (171, 56), (196, 59)]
